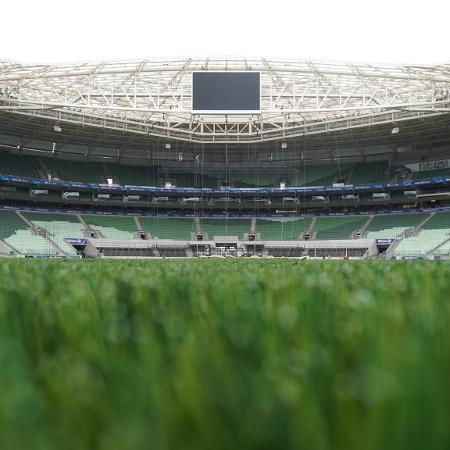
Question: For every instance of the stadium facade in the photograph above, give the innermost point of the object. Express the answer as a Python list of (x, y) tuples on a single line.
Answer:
[(335, 160)]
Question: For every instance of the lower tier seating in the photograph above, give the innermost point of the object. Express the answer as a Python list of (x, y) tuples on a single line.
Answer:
[(278, 230), (338, 227), (392, 226), (226, 227), (58, 227), (433, 238), (168, 228), (39, 233), (112, 227), (16, 234)]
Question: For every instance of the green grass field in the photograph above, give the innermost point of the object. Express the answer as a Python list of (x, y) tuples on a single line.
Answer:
[(224, 354)]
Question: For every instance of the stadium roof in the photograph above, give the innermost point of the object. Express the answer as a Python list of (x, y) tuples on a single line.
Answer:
[(299, 98)]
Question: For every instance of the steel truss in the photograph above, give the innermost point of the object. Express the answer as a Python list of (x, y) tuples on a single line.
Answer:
[(154, 97)]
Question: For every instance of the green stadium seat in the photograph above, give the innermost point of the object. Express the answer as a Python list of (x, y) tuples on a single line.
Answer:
[(134, 175), (58, 227), (338, 227), (15, 233), (112, 227), (282, 229), (84, 172), (168, 227), (323, 175), (371, 172), (425, 174), (25, 166), (392, 226), (434, 233), (226, 227)]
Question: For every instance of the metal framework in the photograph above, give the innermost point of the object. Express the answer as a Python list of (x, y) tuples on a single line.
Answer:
[(153, 97)]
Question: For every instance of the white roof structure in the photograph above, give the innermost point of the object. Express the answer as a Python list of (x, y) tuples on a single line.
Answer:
[(153, 97)]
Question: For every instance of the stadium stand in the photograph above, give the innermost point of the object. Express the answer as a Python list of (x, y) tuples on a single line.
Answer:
[(95, 172), (370, 172), (443, 249), (186, 179), (337, 227), (263, 179), (133, 175), (168, 228), (193, 179), (41, 233), (85, 172), (430, 174), (226, 227), (321, 175), (25, 166), (16, 234), (278, 230), (58, 227), (392, 226), (112, 227), (434, 233)]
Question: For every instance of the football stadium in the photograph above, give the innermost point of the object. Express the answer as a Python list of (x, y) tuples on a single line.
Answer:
[(224, 253), (222, 157)]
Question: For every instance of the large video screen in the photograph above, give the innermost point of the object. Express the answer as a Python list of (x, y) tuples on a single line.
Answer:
[(226, 92)]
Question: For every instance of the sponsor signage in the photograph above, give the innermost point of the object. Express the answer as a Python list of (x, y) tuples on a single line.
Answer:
[(76, 241), (385, 241), (429, 165)]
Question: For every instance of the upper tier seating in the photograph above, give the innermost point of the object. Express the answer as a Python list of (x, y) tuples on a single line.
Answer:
[(392, 226), (430, 174), (259, 178), (112, 227), (25, 166), (324, 175), (338, 227), (58, 227), (278, 229), (237, 179), (14, 232), (308, 174), (168, 228), (134, 175), (371, 172), (193, 179), (84, 172), (434, 233), (226, 227)]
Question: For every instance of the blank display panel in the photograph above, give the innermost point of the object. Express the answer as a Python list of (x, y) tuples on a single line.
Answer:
[(226, 92)]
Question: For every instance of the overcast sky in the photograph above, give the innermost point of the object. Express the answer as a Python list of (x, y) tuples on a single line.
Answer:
[(389, 31)]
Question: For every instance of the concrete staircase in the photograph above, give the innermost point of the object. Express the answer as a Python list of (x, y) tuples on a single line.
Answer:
[(366, 225), (40, 232), (391, 249), (311, 228), (438, 246), (138, 223), (44, 171), (418, 228)]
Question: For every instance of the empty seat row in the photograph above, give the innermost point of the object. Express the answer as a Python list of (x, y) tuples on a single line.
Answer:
[(392, 226)]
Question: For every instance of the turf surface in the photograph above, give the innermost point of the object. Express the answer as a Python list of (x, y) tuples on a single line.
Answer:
[(224, 354)]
